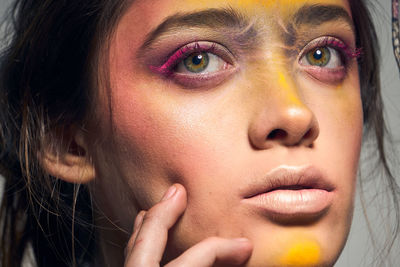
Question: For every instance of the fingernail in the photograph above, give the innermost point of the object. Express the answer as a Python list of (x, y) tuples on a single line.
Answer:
[(171, 191)]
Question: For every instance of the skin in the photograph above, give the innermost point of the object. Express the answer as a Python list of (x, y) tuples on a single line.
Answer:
[(212, 143)]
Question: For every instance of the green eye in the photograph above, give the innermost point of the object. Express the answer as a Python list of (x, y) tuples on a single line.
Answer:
[(196, 62), (319, 56)]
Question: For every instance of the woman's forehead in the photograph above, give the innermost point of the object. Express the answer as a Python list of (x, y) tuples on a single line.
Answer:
[(283, 8)]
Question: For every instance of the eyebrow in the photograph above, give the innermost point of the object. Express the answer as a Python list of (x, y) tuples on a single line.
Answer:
[(242, 27), (318, 14), (315, 15), (220, 18)]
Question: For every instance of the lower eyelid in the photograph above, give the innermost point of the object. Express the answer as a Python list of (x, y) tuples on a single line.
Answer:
[(203, 80), (326, 75)]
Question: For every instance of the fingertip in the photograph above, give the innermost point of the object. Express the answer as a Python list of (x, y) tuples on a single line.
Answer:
[(180, 196), (180, 189), (173, 191), (244, 250)]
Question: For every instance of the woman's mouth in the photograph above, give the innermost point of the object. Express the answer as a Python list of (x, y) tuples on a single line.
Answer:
[(291, 195)]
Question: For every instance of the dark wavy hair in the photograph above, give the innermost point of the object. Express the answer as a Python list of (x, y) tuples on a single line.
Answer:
[(53, 52)]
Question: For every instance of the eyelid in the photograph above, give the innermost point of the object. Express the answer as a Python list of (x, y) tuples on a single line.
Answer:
[(346, 51), (167, 68)]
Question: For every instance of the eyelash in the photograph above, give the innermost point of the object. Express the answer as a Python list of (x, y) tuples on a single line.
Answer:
[(168, 67)]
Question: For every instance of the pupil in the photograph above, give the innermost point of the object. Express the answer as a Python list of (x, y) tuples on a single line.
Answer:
[(197, 59), (318, 54)]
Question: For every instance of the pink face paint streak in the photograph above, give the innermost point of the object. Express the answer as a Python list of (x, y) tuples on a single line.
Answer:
[(167, 68)]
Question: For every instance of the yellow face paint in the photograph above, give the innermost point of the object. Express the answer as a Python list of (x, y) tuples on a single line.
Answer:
[(289, 90), (282, 81), (302, 253), (247, 3), (280, 4)]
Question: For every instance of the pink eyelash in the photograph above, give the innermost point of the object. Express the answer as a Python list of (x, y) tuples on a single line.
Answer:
[(335, 43), (167, 68)]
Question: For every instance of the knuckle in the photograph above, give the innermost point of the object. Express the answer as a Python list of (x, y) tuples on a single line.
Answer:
[(138, 242)]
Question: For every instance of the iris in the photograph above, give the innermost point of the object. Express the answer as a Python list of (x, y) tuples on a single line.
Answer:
[(197, 62), (319, 56)]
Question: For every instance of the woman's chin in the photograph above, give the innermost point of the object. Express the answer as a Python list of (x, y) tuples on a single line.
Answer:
[(296, 247), (290, 246)]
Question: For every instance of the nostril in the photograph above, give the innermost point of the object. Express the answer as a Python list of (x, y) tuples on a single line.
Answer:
[(309, 137), (277, 134), (308, 134)]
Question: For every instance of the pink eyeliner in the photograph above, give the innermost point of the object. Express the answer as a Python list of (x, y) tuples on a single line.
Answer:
[(167, 68)]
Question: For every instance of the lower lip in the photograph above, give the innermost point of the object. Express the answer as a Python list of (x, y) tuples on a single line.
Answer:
[(293, 203)]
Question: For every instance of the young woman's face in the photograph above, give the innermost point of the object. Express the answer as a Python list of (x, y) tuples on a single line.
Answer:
[(253, 106)]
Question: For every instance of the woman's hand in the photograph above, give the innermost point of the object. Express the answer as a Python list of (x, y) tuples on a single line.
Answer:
[(147, 243)]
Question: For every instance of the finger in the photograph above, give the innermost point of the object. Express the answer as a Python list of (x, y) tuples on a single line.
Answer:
[(136, 228), (215, 250), (138, 223), (149, 246)]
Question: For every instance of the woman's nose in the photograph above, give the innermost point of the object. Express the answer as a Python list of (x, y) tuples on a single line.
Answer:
[(283, 120)]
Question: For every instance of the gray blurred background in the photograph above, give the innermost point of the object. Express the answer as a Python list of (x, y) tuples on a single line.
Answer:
[(359, 250)]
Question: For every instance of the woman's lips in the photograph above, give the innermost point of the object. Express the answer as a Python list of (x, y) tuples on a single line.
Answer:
[(304, 203), (291, 194)]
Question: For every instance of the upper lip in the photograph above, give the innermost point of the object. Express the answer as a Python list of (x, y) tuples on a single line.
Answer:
[(290, 178)]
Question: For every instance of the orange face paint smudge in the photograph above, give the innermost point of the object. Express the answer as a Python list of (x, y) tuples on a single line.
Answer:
[(302, 253)]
